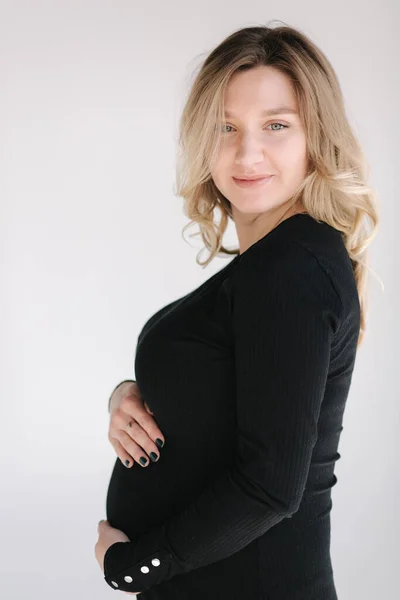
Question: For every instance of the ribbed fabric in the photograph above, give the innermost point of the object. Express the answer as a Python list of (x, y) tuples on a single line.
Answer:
[(247, 377)]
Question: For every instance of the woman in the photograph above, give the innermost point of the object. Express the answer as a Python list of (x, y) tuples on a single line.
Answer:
[(247, 376)]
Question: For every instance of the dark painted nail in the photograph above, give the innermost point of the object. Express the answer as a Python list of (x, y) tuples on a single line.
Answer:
[(127, 463), (143, 460), (153, 456), (159, 443)]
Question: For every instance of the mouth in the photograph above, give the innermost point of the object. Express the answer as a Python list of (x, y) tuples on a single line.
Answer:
[(252, 182)]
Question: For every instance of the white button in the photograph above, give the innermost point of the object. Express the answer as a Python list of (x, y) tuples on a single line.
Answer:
[(115, 583), (144, 569), (155, 562), (128, 578)]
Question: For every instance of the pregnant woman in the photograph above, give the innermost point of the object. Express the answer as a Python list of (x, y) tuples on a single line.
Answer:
[(246, 377)]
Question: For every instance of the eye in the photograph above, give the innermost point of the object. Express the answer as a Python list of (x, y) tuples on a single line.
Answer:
[(225, 126), (281, 124), (276, 123)]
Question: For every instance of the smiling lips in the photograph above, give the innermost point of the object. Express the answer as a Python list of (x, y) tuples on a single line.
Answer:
[(252, 182)]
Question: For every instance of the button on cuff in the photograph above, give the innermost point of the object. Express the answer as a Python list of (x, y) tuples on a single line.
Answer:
[(139, 577)]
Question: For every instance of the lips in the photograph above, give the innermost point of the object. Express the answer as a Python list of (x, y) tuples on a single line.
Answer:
[(253, 182), (252, 178)]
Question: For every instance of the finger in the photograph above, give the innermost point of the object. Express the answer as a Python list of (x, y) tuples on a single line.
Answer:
[(142, 415), (138, 445), (149, 411), (136, 432), (130, 411), (130, 452), (122, 454)]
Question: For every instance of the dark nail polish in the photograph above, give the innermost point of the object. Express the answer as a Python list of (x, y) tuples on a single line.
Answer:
[(143, 460), (153, 456), (127, 463), (159, 443)]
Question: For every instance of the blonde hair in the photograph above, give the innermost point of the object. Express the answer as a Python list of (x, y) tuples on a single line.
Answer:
[(335, 189)]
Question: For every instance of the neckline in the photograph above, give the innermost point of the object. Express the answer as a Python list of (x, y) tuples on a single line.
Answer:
[(267, 235), (197, 292)]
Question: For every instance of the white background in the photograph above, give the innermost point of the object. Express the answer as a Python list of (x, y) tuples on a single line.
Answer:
[(91, 246)]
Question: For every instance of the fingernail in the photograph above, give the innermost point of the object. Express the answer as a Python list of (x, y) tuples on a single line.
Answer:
[(153, 456), (127, 463), (159, 443), (143, 460)]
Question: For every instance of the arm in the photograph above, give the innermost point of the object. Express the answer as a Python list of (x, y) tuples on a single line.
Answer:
[(285, 312)]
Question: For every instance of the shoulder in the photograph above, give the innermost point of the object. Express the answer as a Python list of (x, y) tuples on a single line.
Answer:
[(286, 274), (302, 246), (277, 259)]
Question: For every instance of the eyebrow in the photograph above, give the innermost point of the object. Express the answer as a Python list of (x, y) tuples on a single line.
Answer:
[(279, 110)]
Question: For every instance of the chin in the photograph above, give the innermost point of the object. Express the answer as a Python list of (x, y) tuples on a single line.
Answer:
[(248, 208)]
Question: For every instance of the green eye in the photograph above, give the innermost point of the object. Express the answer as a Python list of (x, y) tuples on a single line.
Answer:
[(281, 124), (282, 127), (225, 126)]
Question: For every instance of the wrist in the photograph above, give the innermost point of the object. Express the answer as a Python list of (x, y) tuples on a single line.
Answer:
[(120, 390)]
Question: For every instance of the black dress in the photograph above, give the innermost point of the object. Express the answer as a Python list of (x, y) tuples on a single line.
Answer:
[(247, 377)]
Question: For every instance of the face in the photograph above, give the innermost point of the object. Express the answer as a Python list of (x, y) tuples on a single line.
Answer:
[(254, 144)]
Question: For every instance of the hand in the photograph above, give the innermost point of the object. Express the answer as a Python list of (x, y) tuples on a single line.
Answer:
[(107, 537), (138, 440)]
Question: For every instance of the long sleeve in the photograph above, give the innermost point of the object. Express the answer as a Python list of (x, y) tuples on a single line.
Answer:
[(285, 312)]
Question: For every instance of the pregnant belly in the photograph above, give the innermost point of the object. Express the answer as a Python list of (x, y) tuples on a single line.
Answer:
[(142, 498)]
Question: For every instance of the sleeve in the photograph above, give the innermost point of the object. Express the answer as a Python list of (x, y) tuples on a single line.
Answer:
[(284, 314)]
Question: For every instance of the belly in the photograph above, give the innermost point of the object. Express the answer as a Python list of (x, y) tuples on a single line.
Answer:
[(142, 498)]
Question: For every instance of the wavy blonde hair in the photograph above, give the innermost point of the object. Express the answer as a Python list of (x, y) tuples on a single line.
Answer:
[(335, 189)]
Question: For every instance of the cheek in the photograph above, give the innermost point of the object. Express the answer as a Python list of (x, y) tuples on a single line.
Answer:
[(292, 159), (299, 163), (221, 171), (298, 149)]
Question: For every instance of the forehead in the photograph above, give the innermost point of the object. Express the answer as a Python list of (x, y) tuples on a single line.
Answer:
[(269, 112), (264, 90)]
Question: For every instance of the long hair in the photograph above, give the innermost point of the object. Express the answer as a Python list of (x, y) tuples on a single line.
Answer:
[(335, 188)]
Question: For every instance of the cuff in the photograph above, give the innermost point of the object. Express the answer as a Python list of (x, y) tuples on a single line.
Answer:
[(136, 566)]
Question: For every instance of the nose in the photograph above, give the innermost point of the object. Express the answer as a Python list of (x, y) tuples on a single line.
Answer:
[(250, 151)]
